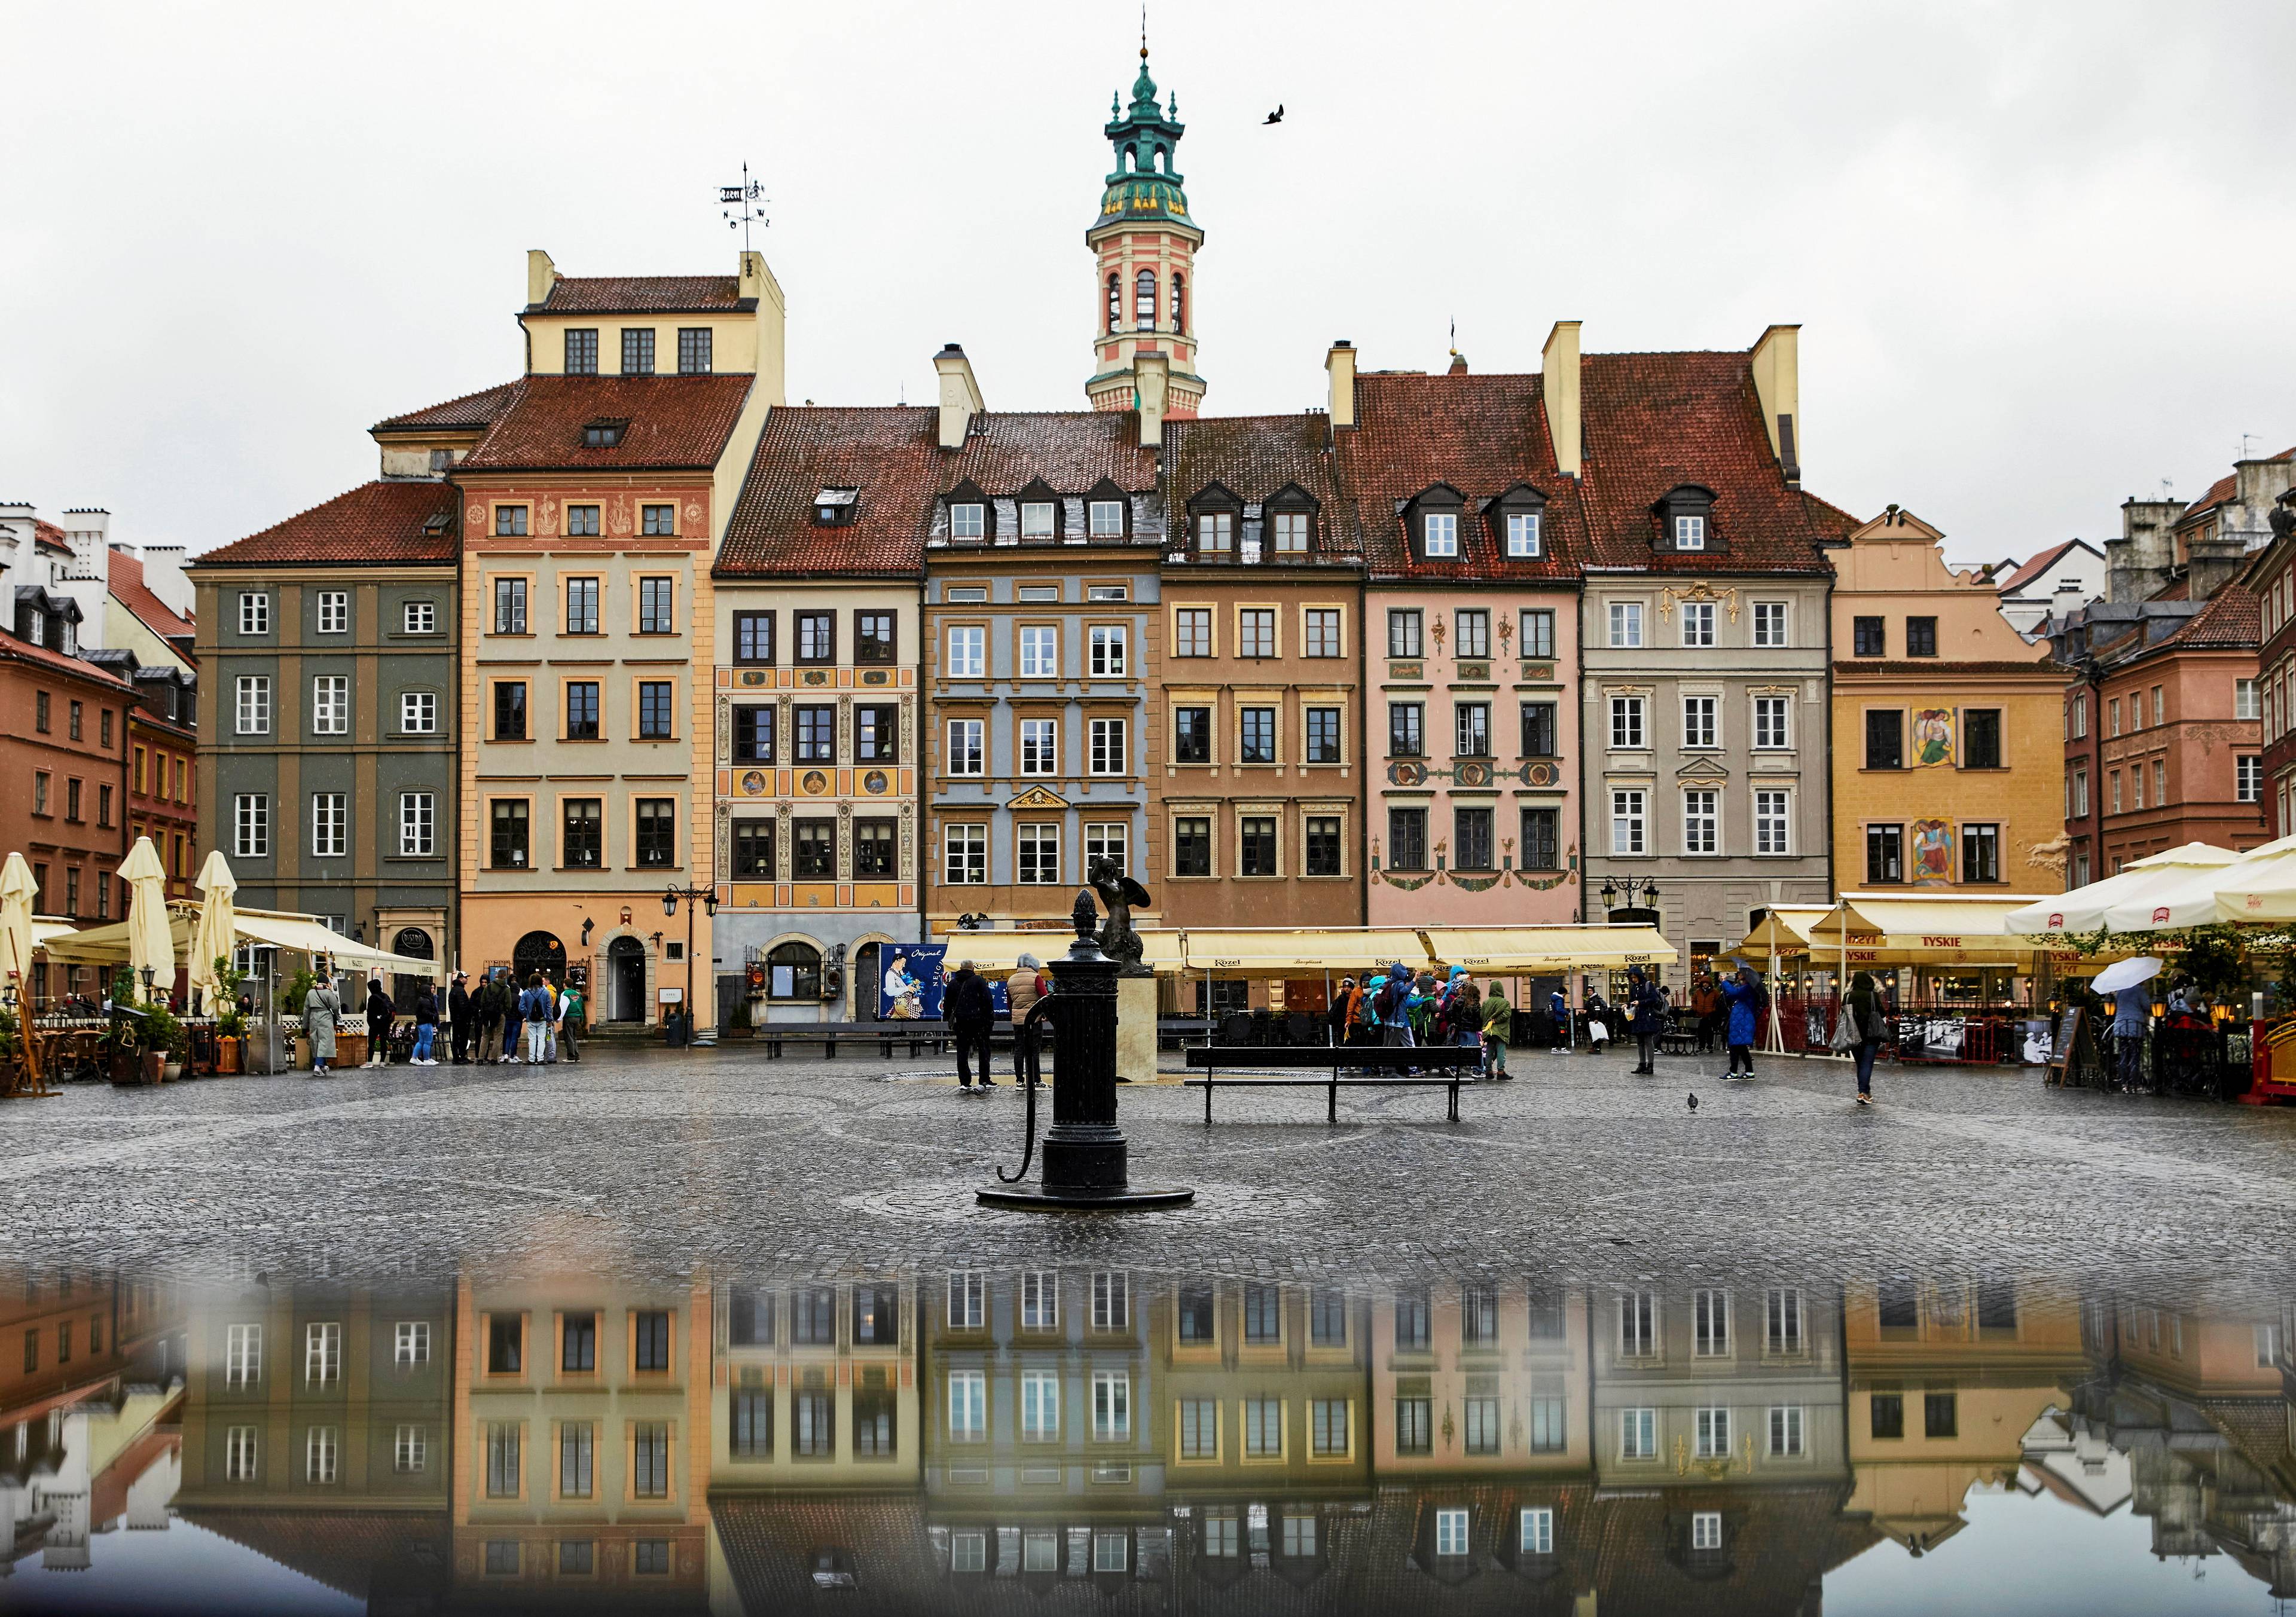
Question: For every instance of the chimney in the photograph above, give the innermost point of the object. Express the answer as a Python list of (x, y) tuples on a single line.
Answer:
[(1558, 366), (2141, 559), (1339, 364), (960, 396), (2212, 563), (758, 285), (1777, 363), (541, 275), (1458, 364), (1151, 374)]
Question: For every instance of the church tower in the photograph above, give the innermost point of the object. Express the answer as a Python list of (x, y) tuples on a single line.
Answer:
[(1143, 248)]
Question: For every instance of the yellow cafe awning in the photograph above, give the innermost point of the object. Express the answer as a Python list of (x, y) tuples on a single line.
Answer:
[(1276, 950), (1784, 931), (1547, 948), (997, 955)]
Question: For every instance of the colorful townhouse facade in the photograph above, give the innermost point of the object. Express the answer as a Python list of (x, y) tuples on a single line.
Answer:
[(1951, 771)]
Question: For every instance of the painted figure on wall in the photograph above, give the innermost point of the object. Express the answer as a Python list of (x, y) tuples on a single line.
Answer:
[(1932, 853), (902, 996), (1933, 737)]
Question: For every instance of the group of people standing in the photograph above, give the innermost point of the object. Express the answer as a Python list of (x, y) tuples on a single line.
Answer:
[(968, 1004), (504, 1023), (1396, 1006)]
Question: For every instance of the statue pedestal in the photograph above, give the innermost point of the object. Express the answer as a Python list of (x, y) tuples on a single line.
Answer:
[(1136, 1029)]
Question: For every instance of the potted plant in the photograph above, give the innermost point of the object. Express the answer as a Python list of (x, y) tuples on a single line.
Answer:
[(741, 1024), (231, 1033), (167, 1042)]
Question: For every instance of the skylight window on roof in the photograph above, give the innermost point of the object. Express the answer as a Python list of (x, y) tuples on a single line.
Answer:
[(834, 507), (602, 434)]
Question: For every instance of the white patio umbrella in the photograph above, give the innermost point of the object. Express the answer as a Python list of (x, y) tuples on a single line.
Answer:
[(2086, 908), (150, 944), (17, 892), (215, 935), (2127, 974)]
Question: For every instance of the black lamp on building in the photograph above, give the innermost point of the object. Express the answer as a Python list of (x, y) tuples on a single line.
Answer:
[(1646, 887)]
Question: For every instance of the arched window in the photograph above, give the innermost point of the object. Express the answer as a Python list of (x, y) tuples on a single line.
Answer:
[(414, 943), (1144, 302), (1179, 304), (793, 972), (1115, 302)]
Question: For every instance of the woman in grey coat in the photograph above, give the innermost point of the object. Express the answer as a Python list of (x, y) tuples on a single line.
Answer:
[(321, 1006)]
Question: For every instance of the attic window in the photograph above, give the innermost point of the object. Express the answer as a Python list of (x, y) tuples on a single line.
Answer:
[(964, 522), (1690, 533), (1432, 518), (602, 434), (1036, 519), (1517, 520), (437, 523), (833, 507), (1685, 521), (1442, 533)]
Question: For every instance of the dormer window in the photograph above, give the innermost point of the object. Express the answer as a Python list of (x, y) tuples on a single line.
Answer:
[(1215, 534), (1517, 520), (1685, 521), (1107, 510), (1441, 533), (1431, 518), (966, 520), (1291, 522), (1522, 536), (1036, 519), (602, 434), (834, 507)]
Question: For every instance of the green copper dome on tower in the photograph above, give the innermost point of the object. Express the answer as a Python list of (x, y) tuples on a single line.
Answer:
[(1145, 187)]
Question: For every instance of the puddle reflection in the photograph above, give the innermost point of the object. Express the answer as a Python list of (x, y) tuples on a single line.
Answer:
[(978, 1440)]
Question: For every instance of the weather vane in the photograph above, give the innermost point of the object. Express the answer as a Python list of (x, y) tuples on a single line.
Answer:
[(744, 196)]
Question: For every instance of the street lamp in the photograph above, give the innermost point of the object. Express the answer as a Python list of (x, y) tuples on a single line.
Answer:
[(149, 974), (707, 898), (1646, 884)]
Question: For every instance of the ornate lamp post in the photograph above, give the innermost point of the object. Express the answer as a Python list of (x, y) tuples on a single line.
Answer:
[(707, 898), (1086, 1157)]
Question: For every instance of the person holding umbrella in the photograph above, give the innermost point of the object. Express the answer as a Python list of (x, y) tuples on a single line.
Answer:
[(2132, 1014)]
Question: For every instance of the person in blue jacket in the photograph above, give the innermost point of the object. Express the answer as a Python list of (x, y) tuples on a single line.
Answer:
[(1743, 993)]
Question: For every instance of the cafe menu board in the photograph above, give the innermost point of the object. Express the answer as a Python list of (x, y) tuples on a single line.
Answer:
[(2062, 1068)]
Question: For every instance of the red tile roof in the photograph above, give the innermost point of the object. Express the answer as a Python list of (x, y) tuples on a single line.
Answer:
[(24, 651), (891, 455), (478, 410), (2034, 566), (644, 295), (1655, 421), (2233, 618), (672, 424), (379, 524), (1256, 456), (128, 588), (48, 534), (2222, 490)]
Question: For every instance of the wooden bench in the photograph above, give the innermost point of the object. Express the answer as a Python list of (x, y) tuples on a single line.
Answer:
[(1454, 1059), (921, 1038)]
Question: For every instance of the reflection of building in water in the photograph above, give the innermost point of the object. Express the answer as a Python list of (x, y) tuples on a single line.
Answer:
[(1946, 1380), (315, 1431), (92, 1371), (582, 1445), (2204, 1408)]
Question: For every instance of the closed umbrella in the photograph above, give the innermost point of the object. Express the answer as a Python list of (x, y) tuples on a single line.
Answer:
[(149, 946), (215, 935), (17, 893)]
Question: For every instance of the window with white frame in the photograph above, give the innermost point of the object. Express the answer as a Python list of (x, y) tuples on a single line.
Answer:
[(1638, 1435), (1108, 651), (1040, 746), (968, 1299), (1040, 651), (1111, 1406), (1770, 717), (1537, 1532), (1770, 624), (254, 613), (323, 1354), (1451, 1533), (968, 1552), (330, 825), (968, 651), (1697, 623), (1040, 1406), (1625, 624), (334, 611), (1107, 839), (964, 855), (253, 704), (1773, 816), (1036, 853), (1629, 821), (1699, 728), (1537, 633), (411, 1341), (1627, 728), (1108, 591), (1522, 536), (252, 825), (1106, 517), (1706, 1530), (330, 705), (1036, 519), (1111, 1300), (1638, 1324), (1109, 750), (1442, 533), (2248, 779), (320, 1445), (1785, 1430), (1710, 1425), (1709, 1323), (968, 1406), (966, 520), (410, 1448), (1690, 533), (1040, 1300), (243, 1361), (418, 712), (967, 746), (1781, 1319), (1701, 821), (239, 1454), (2244, 701), (418, 825), (419, 618)]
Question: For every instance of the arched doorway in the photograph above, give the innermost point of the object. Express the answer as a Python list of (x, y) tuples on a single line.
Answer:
[(538, 951), (625, 977), (414, 943), (868, 974)]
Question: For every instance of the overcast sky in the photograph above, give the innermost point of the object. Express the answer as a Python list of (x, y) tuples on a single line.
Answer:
[(2041, 253)]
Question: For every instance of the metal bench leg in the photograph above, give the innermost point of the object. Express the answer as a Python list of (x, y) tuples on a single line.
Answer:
[(1208, 1097), (1332, 1113), (1454, 1095)]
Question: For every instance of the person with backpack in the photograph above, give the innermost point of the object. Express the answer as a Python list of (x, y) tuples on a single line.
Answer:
[(1745, 997), (1647, 1015), (512, 998), (379, 1013), (570, 1021), (1498, 1024), (1558, 1011), (1867, 1022), (535, 1007), (487, 1005), (1394, 1007), (969, 1010)]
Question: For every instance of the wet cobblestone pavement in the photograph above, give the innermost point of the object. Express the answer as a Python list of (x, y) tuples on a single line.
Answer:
[(652, 1162)]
